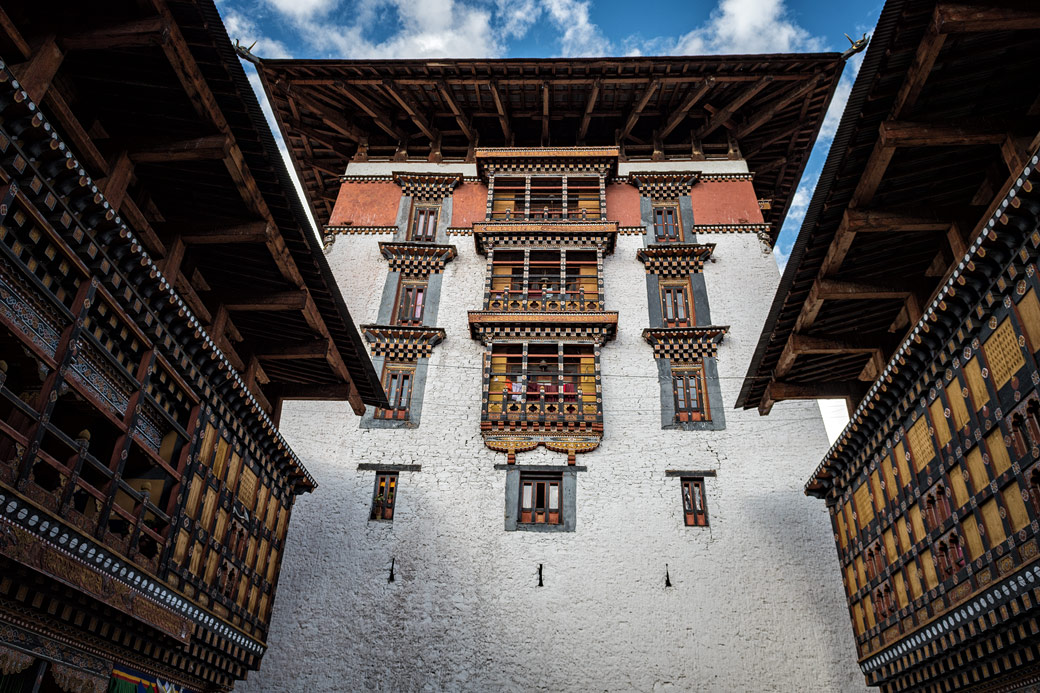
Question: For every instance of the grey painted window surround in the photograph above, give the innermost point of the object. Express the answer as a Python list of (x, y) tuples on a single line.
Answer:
[(568, 497), (387, 306), (702, 316)]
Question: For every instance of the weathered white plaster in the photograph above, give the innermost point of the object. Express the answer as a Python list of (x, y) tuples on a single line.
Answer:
[(756, 602), (385, 168), (714, 166)]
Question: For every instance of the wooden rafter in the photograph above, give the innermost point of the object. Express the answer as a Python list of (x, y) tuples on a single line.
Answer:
[(460, 116), (150, 31), (764, 116), (682, 110), (895, 133), (637, 109), (412, 110), (724, 113), (193, 149), (590, 105), (503, 115), (996, 16), (377, 114), (545, 114)]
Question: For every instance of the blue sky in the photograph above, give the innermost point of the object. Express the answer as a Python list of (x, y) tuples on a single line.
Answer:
[(550, 28)]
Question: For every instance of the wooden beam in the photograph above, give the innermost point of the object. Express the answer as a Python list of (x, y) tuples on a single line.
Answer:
[(115, 184), (764, 116), (315, 349), (36, 74), (917, 75), (329, 116), (877, 221), (798, 344), (503, 116), (14, 37), (141, 32), (281, 301), (590, 106), (412, 110), (211, 147), (896, 133), (873, 172), (252, 232), (460, 117), (311, 392), (953, 18), (170, 266), (545, 114), (724, 113), (81, 142), (374, 112), (694, 95), (834, 289), (780, 390), (637, 109)]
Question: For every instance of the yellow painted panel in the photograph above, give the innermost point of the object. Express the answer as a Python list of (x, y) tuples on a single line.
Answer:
[(976, 385), (903, 534), (848, 520), (904, 468), (958, 408), (233, 470), (890, 546), (977, 470), (211, 566), (915, 580), (916, 523), (861, 570), (991, 519), (891, 487), (868, 608), (181, 548), (970, 530), (864, 510), (220, 460), (960, 489), (998, 453), (939, 422), (1029, 316), (920, 442), (218, 531), (857, 610), (247, 488), (843, 538), (208, 508), (875, 484), (197, 487), (208, 440), (1003, 353), (1016, 507), (196, 558), (930, 579), (850, 579), (901, 599), (272, 567)]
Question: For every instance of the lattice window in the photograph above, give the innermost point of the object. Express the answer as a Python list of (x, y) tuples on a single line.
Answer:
[(695, 509), (411, 302), (424, 224), (676, 308), (397, 383), (384, 496), (666, 224), (541, 499), (545, 280), (688, 390)]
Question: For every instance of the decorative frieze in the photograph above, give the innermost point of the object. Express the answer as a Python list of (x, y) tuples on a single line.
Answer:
[(358, 230), (401, 343), (663, 185), (593, 234), (675, 259), (681, 344), (417, 259), (595, 327), (429, 187)]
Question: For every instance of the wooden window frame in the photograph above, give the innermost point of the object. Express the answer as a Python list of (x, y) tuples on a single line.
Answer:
[(662, 226), (420, 213), (412, 295), (675, 290), (688, 380), (694, 500), (384, 496), (529, 512), (399, 395)]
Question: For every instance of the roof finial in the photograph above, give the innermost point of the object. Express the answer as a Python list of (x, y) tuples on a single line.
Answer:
[(245, 53), (857, 46)]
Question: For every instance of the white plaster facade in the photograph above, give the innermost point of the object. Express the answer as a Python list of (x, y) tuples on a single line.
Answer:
[(755, 602)]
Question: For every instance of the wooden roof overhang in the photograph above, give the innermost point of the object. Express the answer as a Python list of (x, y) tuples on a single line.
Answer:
[(494, 234), (156, 107), (764, 108), (939, 121), (552, 159)]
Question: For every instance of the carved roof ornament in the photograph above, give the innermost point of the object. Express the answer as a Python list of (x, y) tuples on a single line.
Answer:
[(417, 259), (679, 344), (663, 185), (402, 343), (675, 259), (427, 186)]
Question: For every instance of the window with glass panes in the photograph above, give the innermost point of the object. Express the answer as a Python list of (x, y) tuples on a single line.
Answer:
[(688, 391), (424, 224), (695, 511), (540, 499), (676, 310), (410, 303), (397, 382), (666, 224), (384, 496)]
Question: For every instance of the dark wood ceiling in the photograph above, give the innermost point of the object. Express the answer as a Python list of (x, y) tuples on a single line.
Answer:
[(765, 108)]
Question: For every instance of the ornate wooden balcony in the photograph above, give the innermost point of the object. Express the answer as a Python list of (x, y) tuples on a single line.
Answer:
[(547, 300), (543, 404)]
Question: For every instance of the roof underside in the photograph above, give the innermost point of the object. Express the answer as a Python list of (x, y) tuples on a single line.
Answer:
[(767, 108), (922, 151)]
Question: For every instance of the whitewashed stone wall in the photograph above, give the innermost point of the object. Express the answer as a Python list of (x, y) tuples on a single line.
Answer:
[(756, 602)]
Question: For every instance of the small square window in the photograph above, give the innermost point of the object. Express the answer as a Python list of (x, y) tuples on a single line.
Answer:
[(397, 382), (424, 224), (541, 500), (688, 391), (411, 302), (666, 224), (695, 511), (384, 496), (676, 310)]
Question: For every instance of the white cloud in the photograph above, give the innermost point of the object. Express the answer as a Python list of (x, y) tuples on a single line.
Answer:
[(246, 31), (580, 36), (303, 8), (841, 97), (516, 17), (748, 26)]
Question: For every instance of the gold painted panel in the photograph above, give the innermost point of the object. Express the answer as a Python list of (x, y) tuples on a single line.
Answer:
[(864, 509), (977, 470), (930, 578), (960, 489), (915, 579), (868, 608), (991, 520), (901, 598), (920, 442), (1029, 316), (861, 570), (976, 385), (843, 538), (970, 530), (890, 546), (247, 488), (857, 610), (916, 522), (875, 484), (850, 579), (180, 549), (1016, 507), (903, 534), (958, 408), (208, 440), (998, 453), (220, 461), (1003, 353), (208, 508), (891, 487), (939, 422), (904, 468), (197, 486)]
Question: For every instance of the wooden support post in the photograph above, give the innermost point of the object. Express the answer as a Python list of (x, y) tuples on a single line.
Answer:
[(36, 74), (115, 184), (545, 114)]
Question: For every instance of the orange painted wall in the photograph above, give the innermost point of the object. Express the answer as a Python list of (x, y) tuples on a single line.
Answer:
[(366, 204), (725, 202), (468, 204), (623, 204)]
